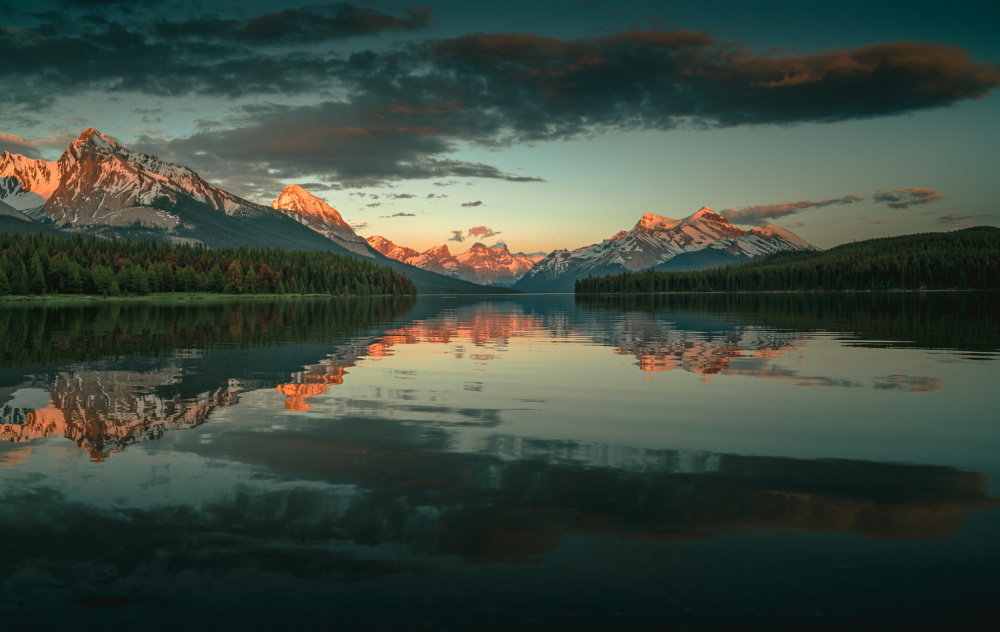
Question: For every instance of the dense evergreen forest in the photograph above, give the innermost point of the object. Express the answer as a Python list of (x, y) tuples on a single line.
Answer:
[(50, 264), (964, 259)]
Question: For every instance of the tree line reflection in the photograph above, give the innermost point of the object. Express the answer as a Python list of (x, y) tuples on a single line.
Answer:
[(113, 375)]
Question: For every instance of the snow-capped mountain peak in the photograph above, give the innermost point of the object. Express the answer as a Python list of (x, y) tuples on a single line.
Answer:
[(391, 250), (26, 183), (295, 198), (100, 181), (704, 214), (650, 221), (307, 209), (655, 242), (781, 233), (486, 265)]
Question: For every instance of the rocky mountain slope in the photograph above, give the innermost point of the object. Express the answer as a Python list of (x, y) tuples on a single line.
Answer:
[(309, 210)]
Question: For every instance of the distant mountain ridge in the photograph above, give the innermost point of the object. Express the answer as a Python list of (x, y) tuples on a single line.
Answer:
[(703, 240), (482, 264)]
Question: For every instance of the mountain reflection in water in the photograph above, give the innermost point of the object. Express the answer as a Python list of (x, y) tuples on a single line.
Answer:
[(459, 462), (138, 362)]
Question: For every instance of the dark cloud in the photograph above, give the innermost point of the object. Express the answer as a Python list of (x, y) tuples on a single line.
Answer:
[(296, 26), (349, 147), (320, 186), (360, 226), (470, 204), (399, 113), (401, 196), (373, 205), (445, 184), (482, 232), (755, 215), (435, 196), (905, 198), (456, 235), (93, 3), (402, 215)]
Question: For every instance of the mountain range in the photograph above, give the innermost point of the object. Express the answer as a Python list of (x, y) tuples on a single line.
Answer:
[(486, 265), (704, 239), (99, 186)]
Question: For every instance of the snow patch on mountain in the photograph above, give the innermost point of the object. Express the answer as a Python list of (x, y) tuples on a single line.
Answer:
[(482, 264), (655, 240), (309, 210)]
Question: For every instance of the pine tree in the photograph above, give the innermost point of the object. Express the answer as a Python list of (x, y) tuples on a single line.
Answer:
[(234, 279)]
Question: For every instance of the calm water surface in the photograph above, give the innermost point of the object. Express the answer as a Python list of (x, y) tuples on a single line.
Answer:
[(702, 462)]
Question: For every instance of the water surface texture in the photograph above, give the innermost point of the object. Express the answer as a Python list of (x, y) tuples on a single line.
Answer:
[(781, 461)]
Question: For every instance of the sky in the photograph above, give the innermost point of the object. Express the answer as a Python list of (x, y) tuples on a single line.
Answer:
[(544, 125)]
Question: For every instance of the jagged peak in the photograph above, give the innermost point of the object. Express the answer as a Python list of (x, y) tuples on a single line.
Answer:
[(620, 234), (705, 214), (295, 198), (442, 249), (294, 189), (91, 136)]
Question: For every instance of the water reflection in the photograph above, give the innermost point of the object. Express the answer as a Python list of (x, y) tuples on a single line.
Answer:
[(500, 460), (137, 372)]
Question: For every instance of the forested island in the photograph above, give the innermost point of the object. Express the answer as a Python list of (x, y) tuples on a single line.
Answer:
[(43, 264), (963, 259)]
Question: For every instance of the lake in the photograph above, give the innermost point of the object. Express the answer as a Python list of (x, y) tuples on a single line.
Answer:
[(532, 462)]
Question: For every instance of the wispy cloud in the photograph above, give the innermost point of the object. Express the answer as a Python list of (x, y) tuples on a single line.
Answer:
[(756, 215), (470, 204), (905, 198), (898, 199), (456, 235), (963, 220), (400, 215), (482, 232)]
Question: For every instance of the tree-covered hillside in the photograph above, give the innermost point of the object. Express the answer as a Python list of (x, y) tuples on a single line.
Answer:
[(43, 264), (964, 259)]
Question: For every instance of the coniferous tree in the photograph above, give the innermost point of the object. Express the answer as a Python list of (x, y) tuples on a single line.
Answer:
[(234, 279)]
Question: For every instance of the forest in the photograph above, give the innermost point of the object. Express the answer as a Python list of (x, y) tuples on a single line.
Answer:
[(963, 259), (42, 263)]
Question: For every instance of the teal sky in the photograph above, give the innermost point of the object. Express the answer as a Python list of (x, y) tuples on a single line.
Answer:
[(397, 107)]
